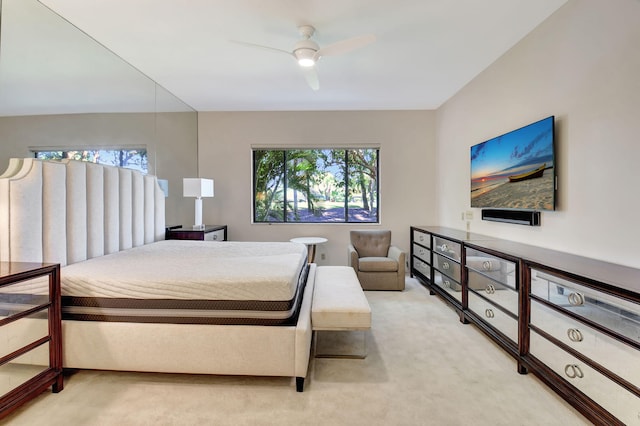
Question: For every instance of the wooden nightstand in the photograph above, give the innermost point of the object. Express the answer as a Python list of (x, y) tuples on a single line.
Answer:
[(31, 362), (209, 233)]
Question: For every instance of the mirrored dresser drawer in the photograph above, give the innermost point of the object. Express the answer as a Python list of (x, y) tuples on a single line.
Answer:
[(448, 284), (422, 253), (422, 268), (494, 316), (613, 313), (497, 292), (448, 248), (447, 266), (496, 268), (614, 398), (614, 355), (422, 238)]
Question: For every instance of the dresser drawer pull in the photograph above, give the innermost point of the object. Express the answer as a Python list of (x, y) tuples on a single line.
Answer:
[(490, 289), (421, 238), (445, 265), (444, 248), (422, 252), (486, 265), (573, 371), (447, 283), (574, 335), (489, 313), (575, 299)]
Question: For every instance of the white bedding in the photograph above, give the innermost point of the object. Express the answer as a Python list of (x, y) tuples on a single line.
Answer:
[(177, 269)]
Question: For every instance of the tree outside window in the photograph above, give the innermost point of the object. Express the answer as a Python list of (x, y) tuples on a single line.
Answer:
[(315, 185), (135, 159)]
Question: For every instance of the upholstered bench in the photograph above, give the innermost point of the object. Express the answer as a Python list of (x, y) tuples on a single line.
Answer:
[(339, 305)]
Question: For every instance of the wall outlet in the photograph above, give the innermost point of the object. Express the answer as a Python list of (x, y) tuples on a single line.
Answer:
[(323, 256)]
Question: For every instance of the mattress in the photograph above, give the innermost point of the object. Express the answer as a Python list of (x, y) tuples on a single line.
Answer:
[(189, 282)]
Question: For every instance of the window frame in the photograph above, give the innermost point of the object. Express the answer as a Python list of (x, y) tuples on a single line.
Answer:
[(285, 214)]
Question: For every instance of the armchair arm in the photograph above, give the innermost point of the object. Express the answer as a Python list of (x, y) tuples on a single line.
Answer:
[(399, 256), (353, 257)]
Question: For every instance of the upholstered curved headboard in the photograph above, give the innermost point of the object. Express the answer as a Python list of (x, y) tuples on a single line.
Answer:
[(69, 211)]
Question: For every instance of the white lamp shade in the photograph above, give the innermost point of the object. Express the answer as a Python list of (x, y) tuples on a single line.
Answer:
[(197, 187)]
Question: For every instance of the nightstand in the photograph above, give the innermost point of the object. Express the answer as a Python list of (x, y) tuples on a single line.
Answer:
[(31, 362), (209, 233)]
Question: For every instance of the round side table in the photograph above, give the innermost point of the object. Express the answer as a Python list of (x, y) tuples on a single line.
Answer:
[(311, 243)]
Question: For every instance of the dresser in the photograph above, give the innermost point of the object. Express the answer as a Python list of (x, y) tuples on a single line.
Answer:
[(572, 321), (30, 332), (208, 233)]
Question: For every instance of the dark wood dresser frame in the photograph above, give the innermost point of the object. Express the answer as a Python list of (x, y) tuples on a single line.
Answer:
[(613, 280), (14, 272)]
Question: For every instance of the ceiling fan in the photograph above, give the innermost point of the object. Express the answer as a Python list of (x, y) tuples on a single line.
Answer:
[(307, 52)]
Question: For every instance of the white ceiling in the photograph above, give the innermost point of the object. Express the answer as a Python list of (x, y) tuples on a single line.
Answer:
[(426, 50)]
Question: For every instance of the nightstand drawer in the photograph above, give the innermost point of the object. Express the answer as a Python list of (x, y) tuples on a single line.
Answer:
[(215, 235)]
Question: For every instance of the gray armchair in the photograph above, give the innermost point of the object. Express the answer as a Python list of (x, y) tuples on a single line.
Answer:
[(378, 264)]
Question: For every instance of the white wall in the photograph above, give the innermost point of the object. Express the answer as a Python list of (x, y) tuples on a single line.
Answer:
[(583, 66), (407, 141)]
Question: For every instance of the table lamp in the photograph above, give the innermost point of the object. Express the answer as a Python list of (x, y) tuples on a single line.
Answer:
[(197, 187)]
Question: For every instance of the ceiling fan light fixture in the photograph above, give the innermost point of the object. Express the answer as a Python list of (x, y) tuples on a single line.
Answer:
[(305, 57)]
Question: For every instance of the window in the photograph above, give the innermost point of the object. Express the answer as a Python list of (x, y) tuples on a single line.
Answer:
[(315, 185), (129, 158)]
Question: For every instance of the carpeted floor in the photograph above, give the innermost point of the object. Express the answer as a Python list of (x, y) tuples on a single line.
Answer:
[(423, 368)]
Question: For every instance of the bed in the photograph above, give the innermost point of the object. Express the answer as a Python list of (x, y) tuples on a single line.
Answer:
[(134, 302)]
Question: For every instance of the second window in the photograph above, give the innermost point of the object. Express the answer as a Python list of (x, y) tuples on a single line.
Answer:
[(315, 185)]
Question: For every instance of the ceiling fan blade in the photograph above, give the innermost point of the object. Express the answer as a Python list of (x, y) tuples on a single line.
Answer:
[(311, 75), (259, 46), (347, 45)]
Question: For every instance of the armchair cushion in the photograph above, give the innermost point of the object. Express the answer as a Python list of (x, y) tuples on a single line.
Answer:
[(377, 264)]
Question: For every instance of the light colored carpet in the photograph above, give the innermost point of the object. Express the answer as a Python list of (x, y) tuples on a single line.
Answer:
[(423, 368)]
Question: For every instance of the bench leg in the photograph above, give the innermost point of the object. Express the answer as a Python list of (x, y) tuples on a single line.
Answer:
[(350, 344)]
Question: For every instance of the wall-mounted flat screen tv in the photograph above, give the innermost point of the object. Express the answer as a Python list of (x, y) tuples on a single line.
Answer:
[(515, 170)]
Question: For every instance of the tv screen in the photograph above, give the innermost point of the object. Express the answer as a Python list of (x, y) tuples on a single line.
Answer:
[(515, 170)]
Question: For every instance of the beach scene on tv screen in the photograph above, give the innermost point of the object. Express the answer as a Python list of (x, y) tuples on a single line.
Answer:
[(515, 170)]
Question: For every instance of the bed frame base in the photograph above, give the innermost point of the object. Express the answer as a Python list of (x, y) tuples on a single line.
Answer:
[(69, 211)]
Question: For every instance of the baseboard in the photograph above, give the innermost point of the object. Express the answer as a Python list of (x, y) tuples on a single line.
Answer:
[(520, 217)]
